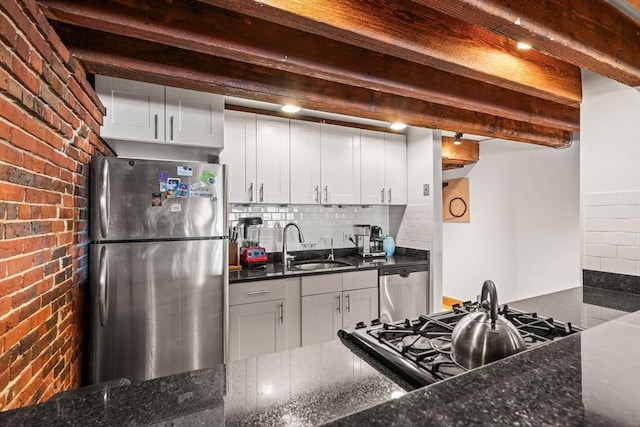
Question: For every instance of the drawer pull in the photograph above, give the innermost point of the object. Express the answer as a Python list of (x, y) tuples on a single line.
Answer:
[(260, 292)]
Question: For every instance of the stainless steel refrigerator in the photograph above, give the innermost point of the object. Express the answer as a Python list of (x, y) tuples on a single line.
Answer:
[(158, 268)]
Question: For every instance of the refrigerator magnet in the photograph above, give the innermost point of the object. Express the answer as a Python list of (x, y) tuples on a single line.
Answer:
[(163, 187), (185, 171), (163, 176), (172, 187), (198, 189), (176, 206), (156, 199), (182, 190), (207, 177)]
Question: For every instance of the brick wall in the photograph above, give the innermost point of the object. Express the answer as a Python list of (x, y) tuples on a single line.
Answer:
[(49, 124)]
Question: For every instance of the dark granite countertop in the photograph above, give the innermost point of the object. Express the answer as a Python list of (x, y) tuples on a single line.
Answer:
[(590, 378), (273, 270)]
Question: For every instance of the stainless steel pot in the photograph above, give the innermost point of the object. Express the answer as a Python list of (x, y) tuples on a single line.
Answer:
[(480, 338)]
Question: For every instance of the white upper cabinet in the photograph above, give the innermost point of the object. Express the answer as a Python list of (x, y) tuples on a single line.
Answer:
[(384, 168), (340, 165), (395, 168), (135, 110), (272, 154), (372, 172), (144, 112), (194, 118), (305, 162), (257, 152), (239, 155)]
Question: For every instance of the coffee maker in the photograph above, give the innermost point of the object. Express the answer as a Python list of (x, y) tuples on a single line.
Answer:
[(376, 239), (363, 241)]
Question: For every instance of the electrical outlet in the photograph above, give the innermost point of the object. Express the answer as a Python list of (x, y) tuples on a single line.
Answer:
[(346, 237), (425, 190)]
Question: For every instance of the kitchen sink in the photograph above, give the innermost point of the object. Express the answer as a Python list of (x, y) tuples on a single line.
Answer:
[(323, 264)]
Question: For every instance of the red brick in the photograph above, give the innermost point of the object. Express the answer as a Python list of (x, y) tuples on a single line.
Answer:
[(10, 154), (10, 111), (12, 192), (10, 286), (24, 296), (23, 140), (7, 31), (22, 48), (33, 164), (20, 264), (15, 334), (26, 76), (33, 276), (33, 195), (35, 60), (16, 14)]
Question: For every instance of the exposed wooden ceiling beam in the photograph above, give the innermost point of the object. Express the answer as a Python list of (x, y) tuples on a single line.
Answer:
[(119, 56), (210, 30), (590, 34), (408, 30)]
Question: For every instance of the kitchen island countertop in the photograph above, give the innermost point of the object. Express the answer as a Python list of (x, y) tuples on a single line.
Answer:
[(588, 378)]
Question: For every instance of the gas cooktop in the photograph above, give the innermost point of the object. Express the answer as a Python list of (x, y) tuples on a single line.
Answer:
[(417, 352)]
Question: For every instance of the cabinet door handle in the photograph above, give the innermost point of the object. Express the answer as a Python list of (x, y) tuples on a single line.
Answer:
[(171, 128), (281, 312), (317, 194), (389, 195), (155, 126), (326, 194), (260, 292), (382, 195), (251, 192), (262, 192), (338, 298), (348, 306)]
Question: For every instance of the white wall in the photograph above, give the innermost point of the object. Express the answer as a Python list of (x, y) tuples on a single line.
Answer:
[(524, 232), (610, 175)]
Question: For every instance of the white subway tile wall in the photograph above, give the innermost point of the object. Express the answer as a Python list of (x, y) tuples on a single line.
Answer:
[(416, 228), (318, 223), (612, 232)]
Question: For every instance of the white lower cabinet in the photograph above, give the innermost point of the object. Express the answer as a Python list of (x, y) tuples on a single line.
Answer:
[(334, 301), (264, 317)]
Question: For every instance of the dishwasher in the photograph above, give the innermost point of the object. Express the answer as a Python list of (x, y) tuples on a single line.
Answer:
[(404, 292)]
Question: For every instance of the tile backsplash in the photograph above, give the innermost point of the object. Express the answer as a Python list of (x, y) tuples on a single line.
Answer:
[(318, 223), (612, 232), (416, 227)]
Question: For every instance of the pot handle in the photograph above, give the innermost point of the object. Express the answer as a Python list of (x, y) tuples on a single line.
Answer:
[(489, 289)]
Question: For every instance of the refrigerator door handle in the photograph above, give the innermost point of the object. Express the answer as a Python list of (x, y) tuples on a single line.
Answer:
[(103, 295), (103, 198)]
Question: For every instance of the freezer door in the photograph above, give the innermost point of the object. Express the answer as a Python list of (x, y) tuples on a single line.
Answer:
[(146, 199), (156, 308), (403, 297)]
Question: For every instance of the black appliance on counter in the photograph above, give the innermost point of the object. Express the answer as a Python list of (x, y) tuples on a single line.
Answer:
[(417, 352)]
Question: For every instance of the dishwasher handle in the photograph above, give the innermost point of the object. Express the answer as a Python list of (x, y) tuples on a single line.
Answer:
[(404, 272)]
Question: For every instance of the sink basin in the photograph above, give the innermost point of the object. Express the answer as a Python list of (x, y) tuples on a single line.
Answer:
[(318, 265)]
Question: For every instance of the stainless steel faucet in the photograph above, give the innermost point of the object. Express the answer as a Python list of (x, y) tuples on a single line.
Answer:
[(286, 258)]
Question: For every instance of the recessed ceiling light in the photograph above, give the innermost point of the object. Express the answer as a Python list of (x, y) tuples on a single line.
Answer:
[(397, 126), (290, 108), (524, 46)]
